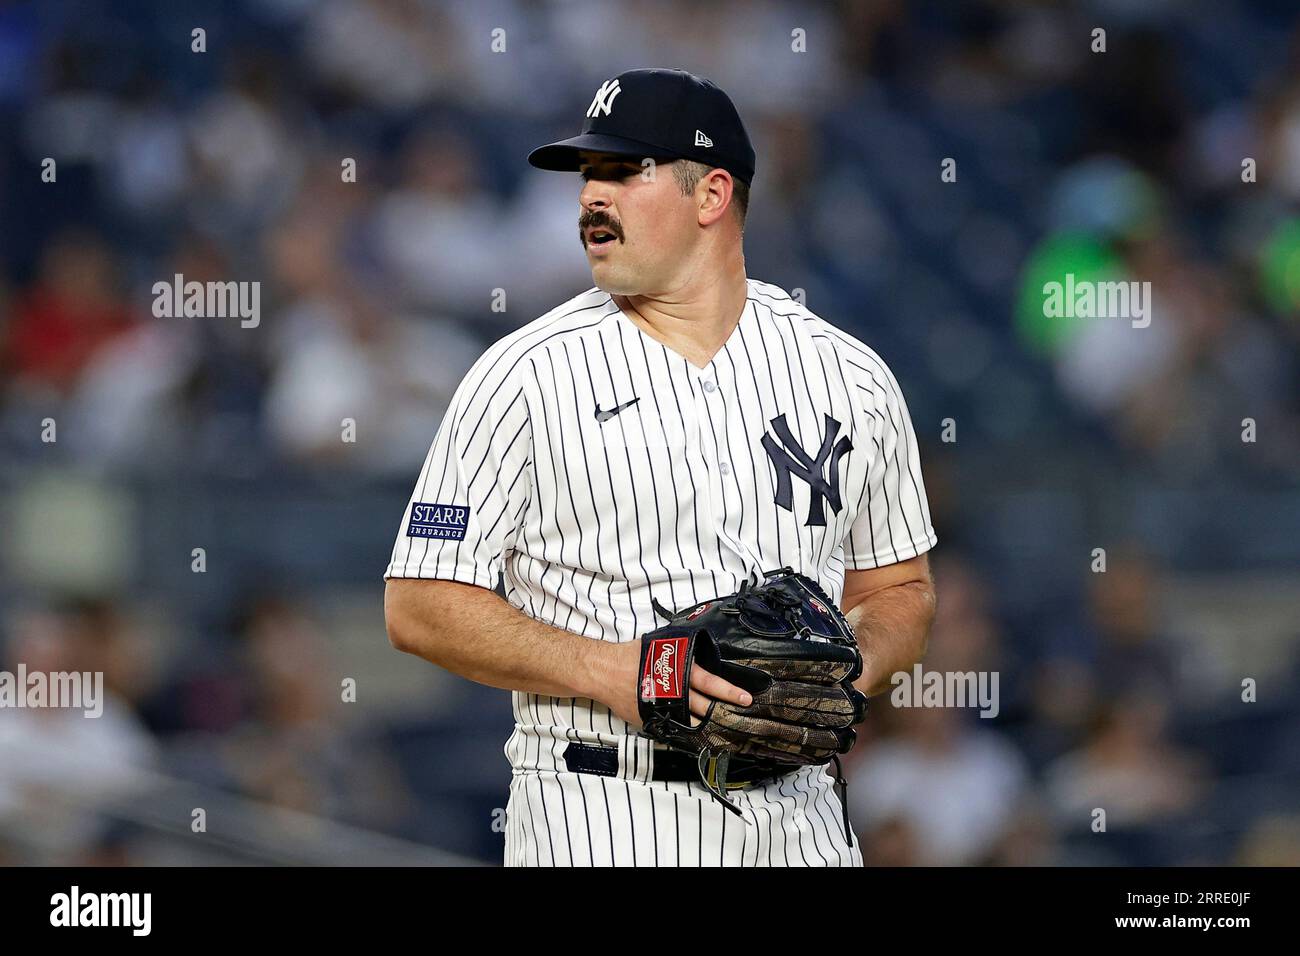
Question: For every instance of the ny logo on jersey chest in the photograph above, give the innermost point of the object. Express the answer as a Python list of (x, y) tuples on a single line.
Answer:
[(821, 473)]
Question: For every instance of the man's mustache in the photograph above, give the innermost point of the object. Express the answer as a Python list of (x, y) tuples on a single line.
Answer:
[(598, 220)]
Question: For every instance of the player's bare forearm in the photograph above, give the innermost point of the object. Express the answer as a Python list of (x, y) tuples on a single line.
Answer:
[(472, 632), (891, 610)]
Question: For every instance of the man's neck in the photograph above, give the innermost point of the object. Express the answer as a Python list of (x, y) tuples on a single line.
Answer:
[(695, 323)]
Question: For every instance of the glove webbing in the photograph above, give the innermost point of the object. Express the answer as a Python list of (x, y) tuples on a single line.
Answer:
[(745, 600)]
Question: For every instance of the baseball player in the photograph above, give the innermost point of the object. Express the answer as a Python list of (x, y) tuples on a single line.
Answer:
[(673, 432)]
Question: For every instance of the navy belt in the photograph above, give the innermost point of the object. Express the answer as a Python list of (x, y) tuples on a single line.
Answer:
[(669, 766), (673, 765)]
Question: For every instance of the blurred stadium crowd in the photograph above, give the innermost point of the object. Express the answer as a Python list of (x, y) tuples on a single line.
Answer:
[(1119, 689)]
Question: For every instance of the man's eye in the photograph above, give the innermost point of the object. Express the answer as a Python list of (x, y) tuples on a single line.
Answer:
[(619, 172)]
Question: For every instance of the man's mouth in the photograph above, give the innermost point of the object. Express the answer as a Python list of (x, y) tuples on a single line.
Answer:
[(598, 236)]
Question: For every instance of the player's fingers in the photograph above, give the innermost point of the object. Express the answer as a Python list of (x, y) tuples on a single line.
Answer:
[(714, 686), (699, 705)]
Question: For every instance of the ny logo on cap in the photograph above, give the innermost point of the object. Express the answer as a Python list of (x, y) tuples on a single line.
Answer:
[(604, 98)]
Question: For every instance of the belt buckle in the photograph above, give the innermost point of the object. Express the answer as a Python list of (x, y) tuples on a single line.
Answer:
[(711, 777)]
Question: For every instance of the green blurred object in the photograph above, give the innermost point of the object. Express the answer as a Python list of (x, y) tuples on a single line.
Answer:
[(1280, 268), (69, 533), (1087, 257)]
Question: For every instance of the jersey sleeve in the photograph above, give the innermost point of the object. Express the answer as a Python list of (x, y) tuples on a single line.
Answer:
[(893, 520), (467, 507)]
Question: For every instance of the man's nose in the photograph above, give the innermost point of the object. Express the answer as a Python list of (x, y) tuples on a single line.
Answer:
[(593, 196)]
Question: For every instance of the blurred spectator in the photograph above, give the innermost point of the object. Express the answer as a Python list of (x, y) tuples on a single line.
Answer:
[(60, 765), (71, 313), (1119, 647), (176, 391), (149, 160), (294, 748), (1132, 650), (247, 155), (942, 794), (338, 352), (392, 53), (393, 378), (1125, 767), (441, 231)]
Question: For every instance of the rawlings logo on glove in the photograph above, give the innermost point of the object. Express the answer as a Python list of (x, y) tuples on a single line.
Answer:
[(660, 676)]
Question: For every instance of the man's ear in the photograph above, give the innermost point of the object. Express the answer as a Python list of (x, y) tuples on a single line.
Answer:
[(714, 194)]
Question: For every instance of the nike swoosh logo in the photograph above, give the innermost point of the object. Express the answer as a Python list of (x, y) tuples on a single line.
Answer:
[(607, 414)]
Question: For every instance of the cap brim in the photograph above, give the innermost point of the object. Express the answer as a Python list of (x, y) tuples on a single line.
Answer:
[(562, 157)]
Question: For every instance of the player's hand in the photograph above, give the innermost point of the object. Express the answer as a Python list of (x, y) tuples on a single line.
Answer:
[(620, 681), (706, 688)]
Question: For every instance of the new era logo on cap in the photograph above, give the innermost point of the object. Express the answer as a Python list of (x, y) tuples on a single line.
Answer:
[(702, 140)]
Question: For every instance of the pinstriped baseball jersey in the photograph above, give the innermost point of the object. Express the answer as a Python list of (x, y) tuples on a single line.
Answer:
[(596, 468)]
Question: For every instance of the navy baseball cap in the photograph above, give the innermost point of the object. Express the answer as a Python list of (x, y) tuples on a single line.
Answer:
[(658, 113)]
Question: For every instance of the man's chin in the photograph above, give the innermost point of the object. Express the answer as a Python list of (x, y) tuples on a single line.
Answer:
[(606, 280)]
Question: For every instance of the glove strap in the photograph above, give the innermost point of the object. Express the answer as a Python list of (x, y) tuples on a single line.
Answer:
[(661, 610), (713, 774), (842, 782)]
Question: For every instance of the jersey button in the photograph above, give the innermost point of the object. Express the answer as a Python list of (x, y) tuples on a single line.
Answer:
[(724, 468), (710, 387)]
